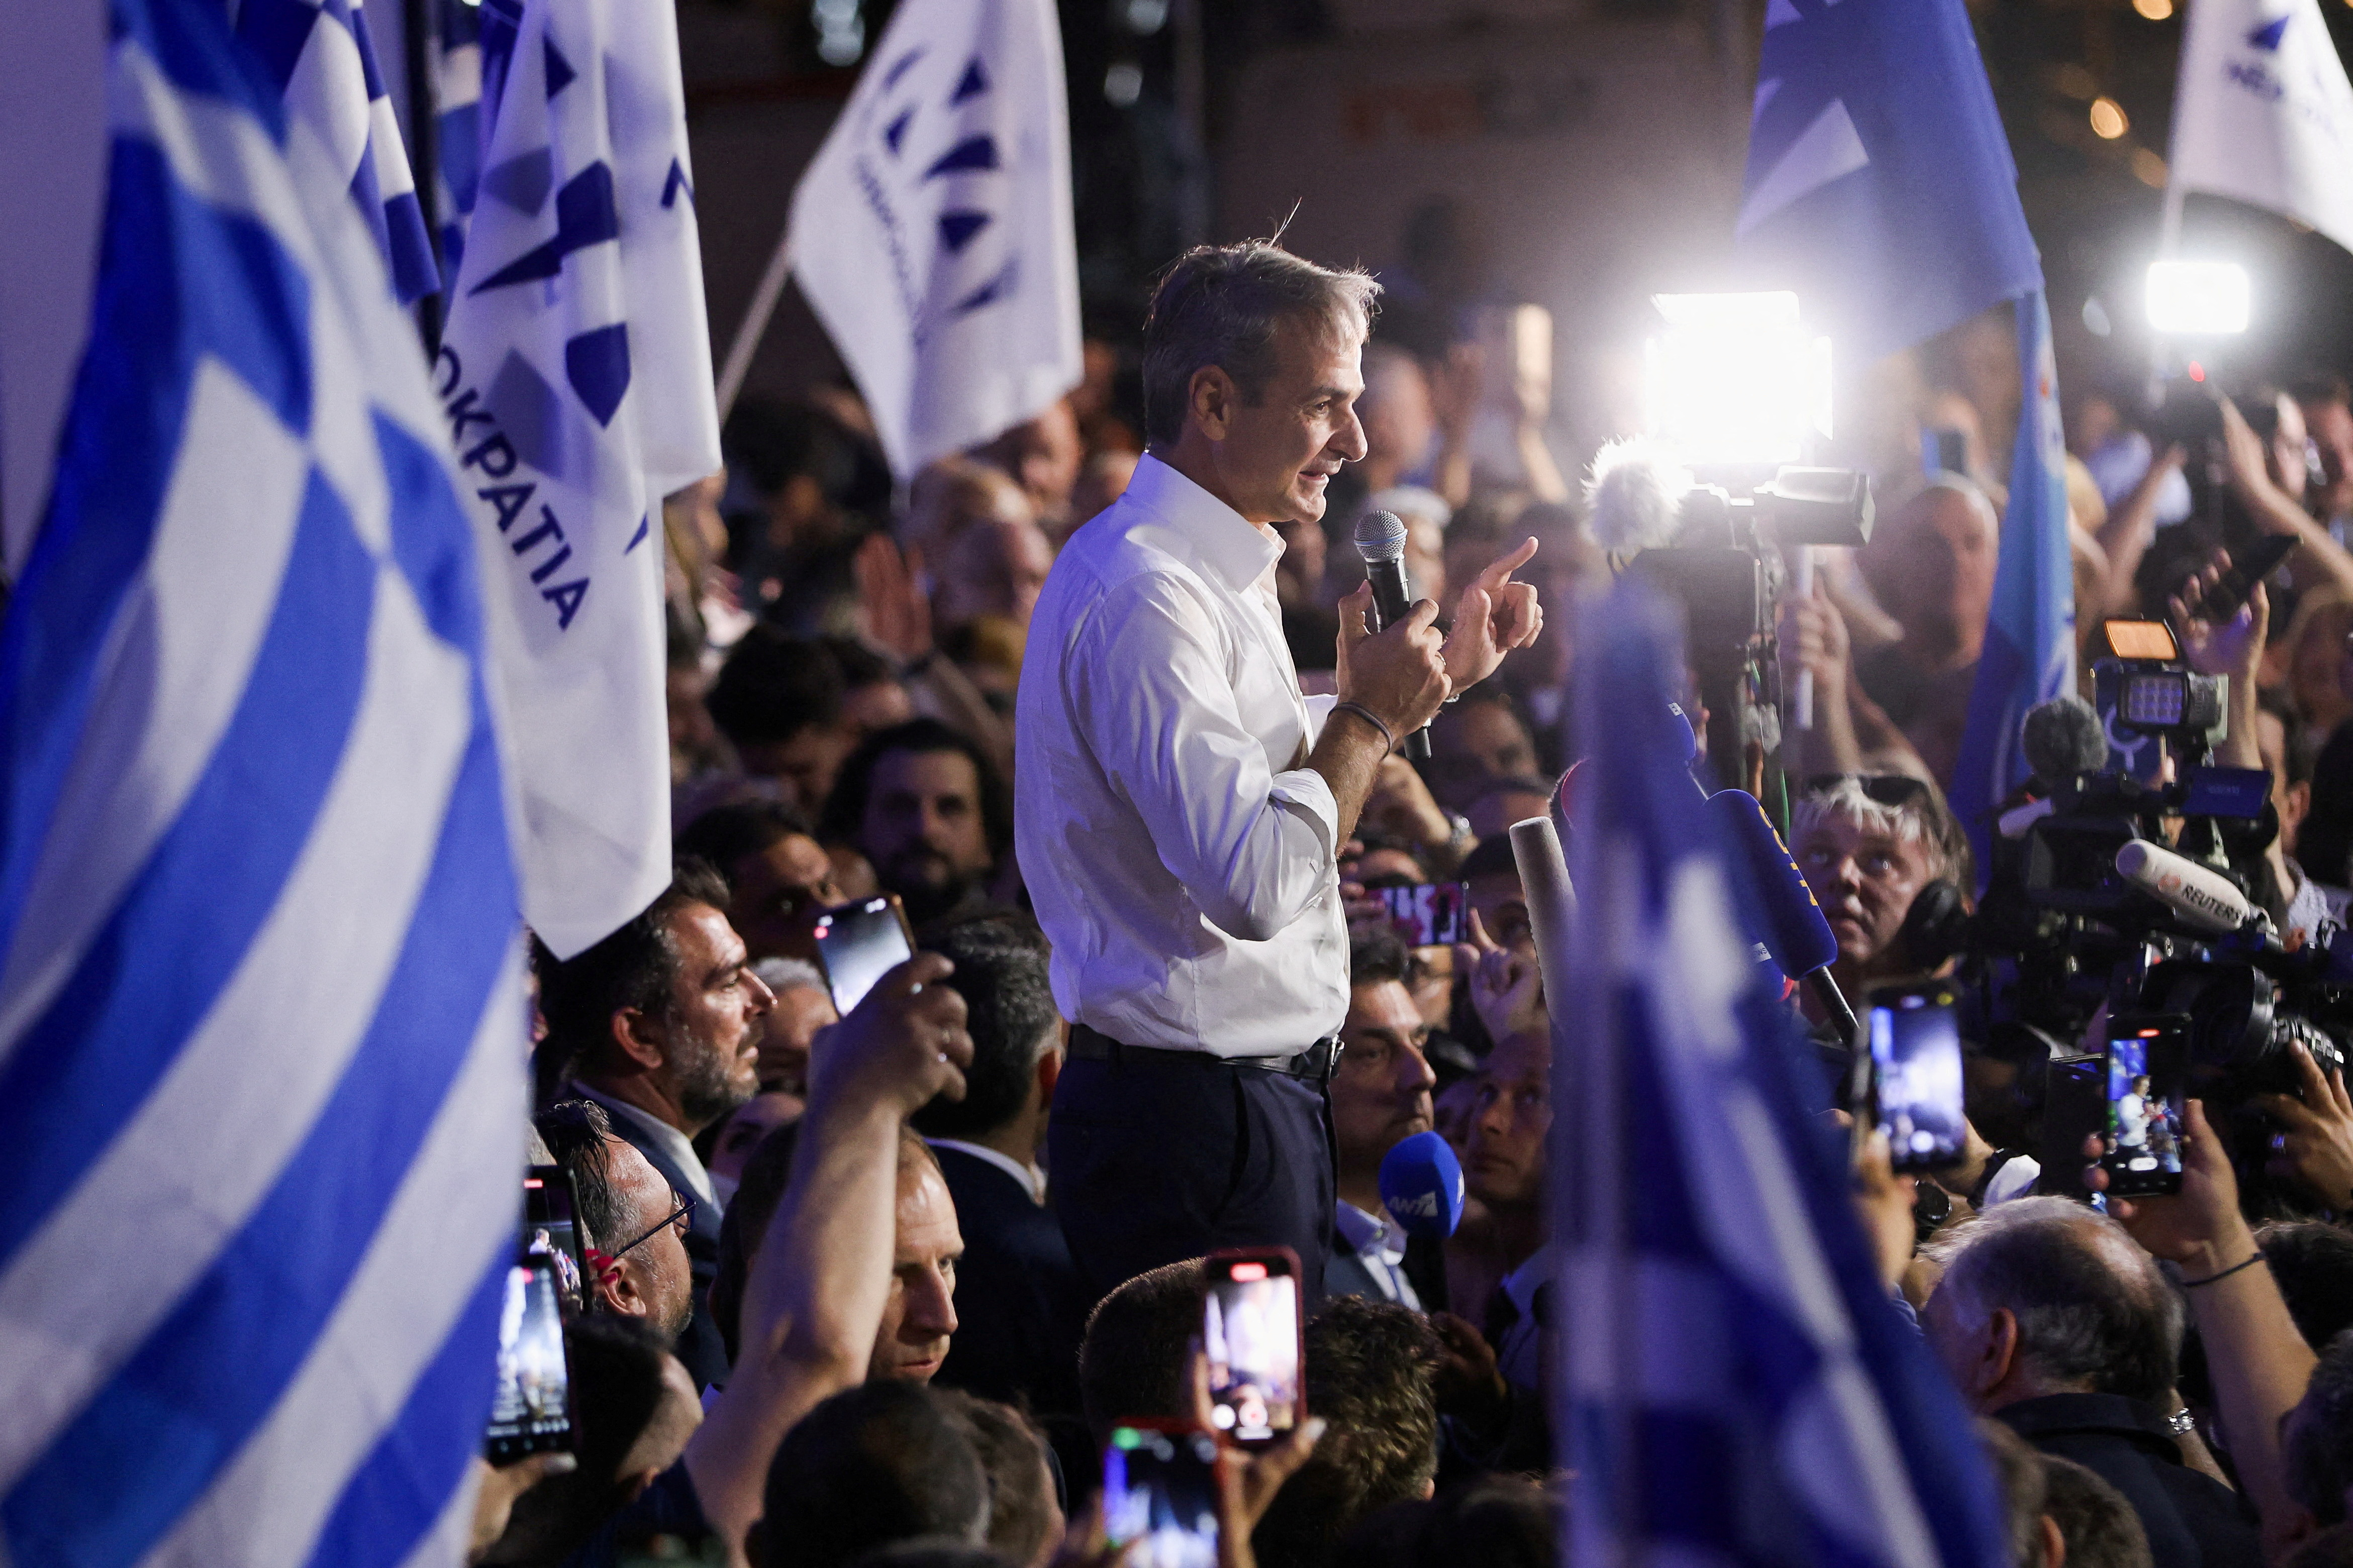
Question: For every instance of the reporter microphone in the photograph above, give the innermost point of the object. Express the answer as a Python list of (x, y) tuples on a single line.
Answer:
[(1796, 933), (1421, 1187), (1380, 540), (2201, 898)]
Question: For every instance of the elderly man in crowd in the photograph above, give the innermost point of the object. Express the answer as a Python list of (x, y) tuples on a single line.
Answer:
[(1931, 564)]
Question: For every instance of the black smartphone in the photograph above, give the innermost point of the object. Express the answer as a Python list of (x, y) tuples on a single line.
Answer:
[(2146, 1089), (2074, 1109), (531, 1405), (1160, 1495), (2247, 568), (551, 1223), (1429, 913), (1250, 1336), (858, 943), (1915, 1074)]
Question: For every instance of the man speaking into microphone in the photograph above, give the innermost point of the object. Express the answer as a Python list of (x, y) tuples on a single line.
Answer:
[(1179, 805)]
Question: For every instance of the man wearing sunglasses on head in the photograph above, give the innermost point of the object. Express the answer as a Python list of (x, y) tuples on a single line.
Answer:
[(1867, 844)]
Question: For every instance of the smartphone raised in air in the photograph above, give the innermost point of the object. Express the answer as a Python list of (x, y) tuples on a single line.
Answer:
[(858, 943), (1426, 914), (1251, 1335), (1160, 1495), (1915, 1072), (551, 1225), (2146, 1091), (531, 1405), (2074, 1109)]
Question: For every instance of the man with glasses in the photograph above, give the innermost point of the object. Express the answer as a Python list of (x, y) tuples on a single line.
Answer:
[(634, 1223), (660, 1024)]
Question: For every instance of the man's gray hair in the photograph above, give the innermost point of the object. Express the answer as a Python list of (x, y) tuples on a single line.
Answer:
[(1220, 305), (2093, 1311)]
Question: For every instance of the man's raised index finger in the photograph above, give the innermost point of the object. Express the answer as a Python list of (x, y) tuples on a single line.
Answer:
[(1504, 565)]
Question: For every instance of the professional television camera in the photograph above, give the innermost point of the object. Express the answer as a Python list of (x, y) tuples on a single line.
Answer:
[(1727, 558), (2144, 896)]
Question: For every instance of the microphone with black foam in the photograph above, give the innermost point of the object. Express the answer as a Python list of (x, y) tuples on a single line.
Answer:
[(2064, 738), (1380, 540), (1421, 1187)]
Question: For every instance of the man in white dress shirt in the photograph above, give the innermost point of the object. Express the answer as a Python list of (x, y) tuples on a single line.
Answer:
[(1180, 806)]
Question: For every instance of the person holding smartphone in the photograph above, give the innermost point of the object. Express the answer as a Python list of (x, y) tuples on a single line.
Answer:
[(1180, 805)]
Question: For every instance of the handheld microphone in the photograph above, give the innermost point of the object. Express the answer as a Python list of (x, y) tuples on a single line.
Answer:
[(1794, 933), (2202, 898), (1421, 1187), (1380, 540)]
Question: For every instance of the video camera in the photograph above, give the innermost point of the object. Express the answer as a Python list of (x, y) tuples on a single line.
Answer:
[(2141, 894), (1726, 558)]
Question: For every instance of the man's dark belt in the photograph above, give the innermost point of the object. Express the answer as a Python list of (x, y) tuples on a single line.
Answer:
[(1314, 1064)]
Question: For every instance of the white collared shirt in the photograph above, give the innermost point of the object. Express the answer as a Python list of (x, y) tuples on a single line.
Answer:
[(1179, 853), (669, 1139), (1376, 1241), (1032, 1179)]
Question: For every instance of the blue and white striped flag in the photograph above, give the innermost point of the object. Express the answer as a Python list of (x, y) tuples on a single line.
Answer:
[(574, 376), (320, 54), (1736, 1387), (458, 121), (261, 1031)]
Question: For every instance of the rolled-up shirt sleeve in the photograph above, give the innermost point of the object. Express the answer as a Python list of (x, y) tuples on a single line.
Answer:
[(1153, 696)]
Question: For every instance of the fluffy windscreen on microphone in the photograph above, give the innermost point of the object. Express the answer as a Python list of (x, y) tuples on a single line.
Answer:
[(1380, 536), (2064, 737), (1634, 491)]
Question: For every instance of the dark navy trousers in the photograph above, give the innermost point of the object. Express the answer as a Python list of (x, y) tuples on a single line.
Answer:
[(1154, 1161)]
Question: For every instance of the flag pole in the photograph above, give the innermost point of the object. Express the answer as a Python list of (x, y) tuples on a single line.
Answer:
[(755, 321)]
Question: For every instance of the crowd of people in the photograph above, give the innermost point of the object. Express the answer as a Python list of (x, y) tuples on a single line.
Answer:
[(843, 1302)]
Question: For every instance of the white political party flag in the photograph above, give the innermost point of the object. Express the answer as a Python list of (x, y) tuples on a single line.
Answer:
[(2263, 113), (575, 375), (933, 233)]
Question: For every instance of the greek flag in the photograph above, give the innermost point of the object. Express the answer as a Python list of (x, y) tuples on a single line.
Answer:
[(261, 1017), (1881, 187), (932, 233), (575, 377), (319, 54), (1735, 1386)]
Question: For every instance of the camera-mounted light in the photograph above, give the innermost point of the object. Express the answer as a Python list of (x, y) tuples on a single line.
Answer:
[(2199, 298), (1734, 380)]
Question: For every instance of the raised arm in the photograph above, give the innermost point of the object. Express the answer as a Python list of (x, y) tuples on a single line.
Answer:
[(814, 1301)]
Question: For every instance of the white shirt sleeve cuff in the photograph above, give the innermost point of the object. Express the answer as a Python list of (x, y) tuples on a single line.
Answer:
[(1318, 710), (1305, 792)]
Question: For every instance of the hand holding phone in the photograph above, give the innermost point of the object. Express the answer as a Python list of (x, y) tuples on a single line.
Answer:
[(858, 943), (1428, 914), (1915, 1070), (2147, 1088), (1251, 1337), (1160, 1495), (531, 1403)]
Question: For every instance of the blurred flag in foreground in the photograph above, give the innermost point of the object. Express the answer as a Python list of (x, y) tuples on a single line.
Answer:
[(1735, 1385), (456, 122), (933, 233), (575, 377), (260, 1015), (320, 54), (2263, 113), (1881, 187)]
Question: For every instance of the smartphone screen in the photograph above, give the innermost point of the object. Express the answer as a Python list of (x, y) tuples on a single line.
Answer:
[(858, 945), (2146, 1086), (1916, 1066), (1429, 913), (1250, 1336), (2075, 1107), (1160, 1491), (530, 1406), (550, 1224)]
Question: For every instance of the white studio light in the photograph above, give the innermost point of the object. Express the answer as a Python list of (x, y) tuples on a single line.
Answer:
[(1734, 381), (2198, 298)]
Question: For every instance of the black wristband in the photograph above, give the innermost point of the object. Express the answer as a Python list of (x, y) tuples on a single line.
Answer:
[(2225, 1274)]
